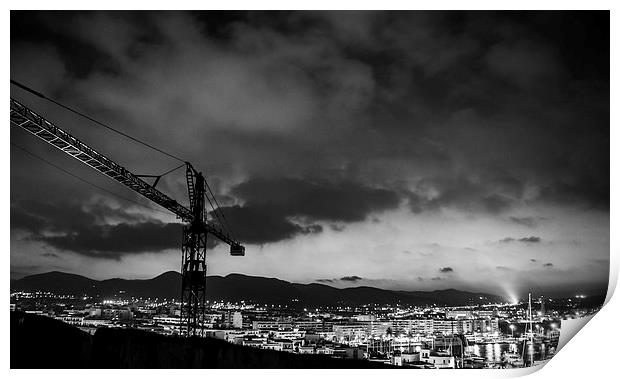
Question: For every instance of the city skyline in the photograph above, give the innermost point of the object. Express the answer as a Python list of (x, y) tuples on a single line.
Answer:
[(405, 150)]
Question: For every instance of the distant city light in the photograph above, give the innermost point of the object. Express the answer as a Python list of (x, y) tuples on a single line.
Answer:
[(402, 328)]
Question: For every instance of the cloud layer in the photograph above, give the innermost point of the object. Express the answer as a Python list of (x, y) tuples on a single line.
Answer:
[(317, 130)]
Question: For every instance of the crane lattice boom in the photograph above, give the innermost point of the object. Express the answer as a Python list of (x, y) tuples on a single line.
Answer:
[(37, 125), (195, 232)]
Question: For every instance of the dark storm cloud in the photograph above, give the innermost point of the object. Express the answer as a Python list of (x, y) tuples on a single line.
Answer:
[(469, 107), (38, 215), (325, 280), (271, 204), (548, 265), (341, 201), (76, 228), (583, 190), (526, 221), (262, 224), (531, 239), (25, 221), (479, 112), (446, 269), (115, 241), (337, 228), (352, 278), (310, 229), (466, 194)]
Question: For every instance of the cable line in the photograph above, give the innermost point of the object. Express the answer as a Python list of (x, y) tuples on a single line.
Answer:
[(86, 181), (219, 214), (219, 219), (171, 170), (219, 208), (39, 94)]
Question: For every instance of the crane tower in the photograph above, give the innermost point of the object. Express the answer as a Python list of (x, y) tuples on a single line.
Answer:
[(197, 226)]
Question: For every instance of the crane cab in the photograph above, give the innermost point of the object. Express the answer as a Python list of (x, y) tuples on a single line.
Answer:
[(237, 250)]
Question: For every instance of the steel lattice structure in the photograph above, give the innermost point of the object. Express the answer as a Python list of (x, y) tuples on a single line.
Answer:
[(195, 232)]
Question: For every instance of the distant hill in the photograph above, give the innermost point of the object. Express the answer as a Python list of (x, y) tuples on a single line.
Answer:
[(237, 287)]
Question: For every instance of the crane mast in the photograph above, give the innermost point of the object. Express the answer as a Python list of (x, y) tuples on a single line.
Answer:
[(195, 231)]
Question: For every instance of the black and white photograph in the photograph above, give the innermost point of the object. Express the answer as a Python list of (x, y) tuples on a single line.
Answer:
[(306, 189)]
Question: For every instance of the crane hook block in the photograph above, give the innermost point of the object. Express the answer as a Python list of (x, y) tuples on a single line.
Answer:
[(237, 250)]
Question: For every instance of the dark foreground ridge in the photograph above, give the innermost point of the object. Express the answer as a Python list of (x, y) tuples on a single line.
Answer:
[(237, 287), (41, 342)]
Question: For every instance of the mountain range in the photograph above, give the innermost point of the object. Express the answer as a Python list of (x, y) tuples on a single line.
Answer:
[(237, 287)]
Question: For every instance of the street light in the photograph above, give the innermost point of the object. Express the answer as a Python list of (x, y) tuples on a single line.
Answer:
[(512, 331)]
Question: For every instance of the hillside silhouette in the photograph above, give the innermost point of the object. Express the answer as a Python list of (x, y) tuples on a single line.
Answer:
[(237, 287)]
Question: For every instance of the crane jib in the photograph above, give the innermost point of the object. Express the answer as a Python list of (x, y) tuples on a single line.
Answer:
[(37, 125)]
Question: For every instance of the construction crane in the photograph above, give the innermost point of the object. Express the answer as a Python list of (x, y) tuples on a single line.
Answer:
[(195, 231)]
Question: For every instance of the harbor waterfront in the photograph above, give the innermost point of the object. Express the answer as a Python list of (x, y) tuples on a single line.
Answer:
[(493, 335), (509, 354)]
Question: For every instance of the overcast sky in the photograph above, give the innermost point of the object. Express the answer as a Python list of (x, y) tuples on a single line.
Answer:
[(405, 150)]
